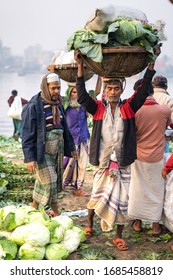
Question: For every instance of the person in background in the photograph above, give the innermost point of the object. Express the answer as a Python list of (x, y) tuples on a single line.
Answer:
[(76, 116), (161, 95), (168, 138), (167, 175), (112, 149), (146, 192), (79, 122), (45, 140), (17, 124)]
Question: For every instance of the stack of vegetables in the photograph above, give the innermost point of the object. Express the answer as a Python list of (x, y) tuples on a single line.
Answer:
[(116, 33), (29, 234)]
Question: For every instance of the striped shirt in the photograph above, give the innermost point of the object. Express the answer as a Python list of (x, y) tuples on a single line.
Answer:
[(49, 118)]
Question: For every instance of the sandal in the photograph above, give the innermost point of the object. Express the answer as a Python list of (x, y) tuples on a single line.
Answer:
[(88, 231), (120, 244), (80, 192)]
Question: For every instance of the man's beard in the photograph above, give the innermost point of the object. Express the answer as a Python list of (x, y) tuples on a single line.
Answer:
[(112, 100), (74, 103)]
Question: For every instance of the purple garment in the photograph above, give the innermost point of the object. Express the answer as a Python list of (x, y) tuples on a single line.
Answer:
[(77, 124)]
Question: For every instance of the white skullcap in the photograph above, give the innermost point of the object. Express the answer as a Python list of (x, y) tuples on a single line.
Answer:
[(52, 77)]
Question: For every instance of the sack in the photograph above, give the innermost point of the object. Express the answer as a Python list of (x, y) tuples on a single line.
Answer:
[(15, 109), (97, 21)]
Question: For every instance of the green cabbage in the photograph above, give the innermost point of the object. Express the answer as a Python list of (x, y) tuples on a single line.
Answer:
[(11, 217), (19, 234), (56, 251), (2, 253), (121, 32), (87, 42), (37, 234), (71, 240), (36, 215), (8, 249), (6, 234), (57, 231), (81, 233), (65, 221), (29, 252)]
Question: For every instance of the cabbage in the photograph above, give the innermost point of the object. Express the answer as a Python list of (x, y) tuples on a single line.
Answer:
[(65, 221), (81, 233), (29, 252), (120, 32), (2, 253), (6, 234), (27, 208), (19, 234), (37, 234), (57, 231), (4, 212), (36, 215), (71, 240), (126, 32), (8, 249), (11, 217), (56, 251)]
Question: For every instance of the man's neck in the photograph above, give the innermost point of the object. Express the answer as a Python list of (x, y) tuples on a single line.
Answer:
[(113, 106)]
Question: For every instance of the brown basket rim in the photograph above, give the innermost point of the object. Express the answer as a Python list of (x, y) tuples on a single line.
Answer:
[(125, 49), (66, 66)]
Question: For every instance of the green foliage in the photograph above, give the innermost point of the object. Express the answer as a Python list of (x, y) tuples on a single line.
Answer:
[(96, 254), (15, 180), (14, 175), (121, 32)]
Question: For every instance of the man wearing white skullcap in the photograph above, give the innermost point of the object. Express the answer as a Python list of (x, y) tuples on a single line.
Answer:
[(46, 139), (52, 77)]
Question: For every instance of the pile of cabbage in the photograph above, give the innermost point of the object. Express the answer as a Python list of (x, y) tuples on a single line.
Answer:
[(29, 234), (104, 30)]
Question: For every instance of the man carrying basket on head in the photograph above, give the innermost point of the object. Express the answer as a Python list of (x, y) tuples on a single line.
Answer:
[(112, 148)]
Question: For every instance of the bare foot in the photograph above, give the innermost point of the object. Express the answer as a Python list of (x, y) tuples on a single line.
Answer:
[(137, 225), (156, 230)]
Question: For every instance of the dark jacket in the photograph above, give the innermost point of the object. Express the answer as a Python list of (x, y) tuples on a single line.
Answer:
[(34, 131), (128, 108)]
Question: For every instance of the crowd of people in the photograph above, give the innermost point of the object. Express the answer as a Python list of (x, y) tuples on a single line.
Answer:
[(126, 148)]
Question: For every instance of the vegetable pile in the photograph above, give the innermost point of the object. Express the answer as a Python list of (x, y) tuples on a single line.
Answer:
[(29, 234), (121, 32)]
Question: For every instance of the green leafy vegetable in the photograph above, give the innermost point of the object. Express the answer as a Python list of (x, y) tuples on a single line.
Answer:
[(56, 251), (121, 32), (29, 252), (8, 249)]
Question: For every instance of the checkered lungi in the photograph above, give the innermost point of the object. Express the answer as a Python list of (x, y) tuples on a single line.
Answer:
[(49, 173)]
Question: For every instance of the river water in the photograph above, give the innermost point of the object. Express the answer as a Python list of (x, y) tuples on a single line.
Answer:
[(29, 85)]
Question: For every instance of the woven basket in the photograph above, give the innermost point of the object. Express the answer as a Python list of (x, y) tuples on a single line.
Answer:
[(68, 72), (119, 61)]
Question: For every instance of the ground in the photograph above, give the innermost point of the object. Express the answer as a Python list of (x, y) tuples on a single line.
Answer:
[(142, 246)]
